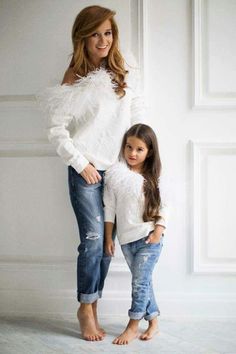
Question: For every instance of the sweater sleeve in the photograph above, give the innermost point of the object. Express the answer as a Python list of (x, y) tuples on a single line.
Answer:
[(163, 216), (138, 109), (58, 103), (165, 202), (59, 136), (109, 200)]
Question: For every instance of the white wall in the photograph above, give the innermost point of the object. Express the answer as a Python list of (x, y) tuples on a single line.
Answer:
[(193, 109), (191, 97)]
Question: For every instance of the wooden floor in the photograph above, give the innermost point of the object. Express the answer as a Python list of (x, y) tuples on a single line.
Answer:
[(21, 335)]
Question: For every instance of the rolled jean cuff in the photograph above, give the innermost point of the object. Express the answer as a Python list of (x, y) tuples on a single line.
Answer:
[(89, 298), (136, 315), (151, 316)]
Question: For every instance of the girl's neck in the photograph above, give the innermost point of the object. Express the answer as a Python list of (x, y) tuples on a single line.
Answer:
[(137, 170)]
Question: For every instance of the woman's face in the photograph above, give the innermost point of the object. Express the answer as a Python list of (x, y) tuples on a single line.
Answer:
[(99, 43)]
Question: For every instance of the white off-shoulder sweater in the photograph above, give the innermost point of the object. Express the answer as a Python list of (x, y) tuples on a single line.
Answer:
[(124, 199), (87, 120)]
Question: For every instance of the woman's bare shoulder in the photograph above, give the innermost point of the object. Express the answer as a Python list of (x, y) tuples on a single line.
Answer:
[(69, 77)]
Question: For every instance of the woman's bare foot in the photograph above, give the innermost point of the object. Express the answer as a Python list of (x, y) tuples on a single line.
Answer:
[(129, 333), (151, 330), (100, 330), (87, 323)]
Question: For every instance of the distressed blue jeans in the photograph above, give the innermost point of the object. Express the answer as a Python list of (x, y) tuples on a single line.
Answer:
[(141, 259), (92, 262)]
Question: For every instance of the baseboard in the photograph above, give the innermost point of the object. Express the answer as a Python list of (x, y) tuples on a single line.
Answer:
[(63, 303)]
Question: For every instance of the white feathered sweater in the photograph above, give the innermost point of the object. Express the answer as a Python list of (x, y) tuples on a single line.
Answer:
[(124, 199), (87, 120)]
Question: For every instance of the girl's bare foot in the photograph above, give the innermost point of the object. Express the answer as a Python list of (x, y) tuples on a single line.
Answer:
[(151, 330), (87, 323), (129, 333), (100, 330)]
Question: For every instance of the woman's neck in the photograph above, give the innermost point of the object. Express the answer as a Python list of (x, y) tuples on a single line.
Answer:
[(98, 63)]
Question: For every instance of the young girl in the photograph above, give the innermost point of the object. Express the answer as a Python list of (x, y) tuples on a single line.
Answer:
[(132, 195), (88, 116)]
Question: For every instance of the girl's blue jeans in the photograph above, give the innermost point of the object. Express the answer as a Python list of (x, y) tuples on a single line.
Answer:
[(141, 259), (92, 262)]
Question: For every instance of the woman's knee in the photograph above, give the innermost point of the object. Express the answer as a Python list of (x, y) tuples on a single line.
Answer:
[(92, 244)]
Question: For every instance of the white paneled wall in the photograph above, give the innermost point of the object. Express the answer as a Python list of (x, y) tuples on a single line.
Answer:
[(214, 53), (214, 222), (39, 235), (186, 52)]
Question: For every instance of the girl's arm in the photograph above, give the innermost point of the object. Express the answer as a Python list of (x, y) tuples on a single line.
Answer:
[(109, 243), (160, 225), (155, 236), (109, 217)]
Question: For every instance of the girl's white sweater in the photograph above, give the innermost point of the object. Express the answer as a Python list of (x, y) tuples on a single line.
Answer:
[(124, 199), (87, 120)]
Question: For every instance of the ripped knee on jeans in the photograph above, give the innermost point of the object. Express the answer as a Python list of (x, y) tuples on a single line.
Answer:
[(92, 235)]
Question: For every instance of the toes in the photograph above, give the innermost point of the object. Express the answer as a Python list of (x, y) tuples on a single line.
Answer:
[(98, 337), (120, 341), (145, 336), (117, 341), (92, 338)]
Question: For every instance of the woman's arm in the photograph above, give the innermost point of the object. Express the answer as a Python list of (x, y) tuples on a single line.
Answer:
[(59, 135), (138, 108), (89, 173), (57, 101)]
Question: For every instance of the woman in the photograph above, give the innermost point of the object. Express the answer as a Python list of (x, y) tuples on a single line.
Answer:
[(88, 116)]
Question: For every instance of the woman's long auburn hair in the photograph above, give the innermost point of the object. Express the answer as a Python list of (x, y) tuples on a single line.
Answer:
[(86, 23), (151, 169)]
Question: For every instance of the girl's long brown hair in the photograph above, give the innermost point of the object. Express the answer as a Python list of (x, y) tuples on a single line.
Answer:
[(151, 169), (86, 23)]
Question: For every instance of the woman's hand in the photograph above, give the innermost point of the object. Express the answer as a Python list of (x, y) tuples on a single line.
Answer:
[(155, 236), (90, 174), (110, 247)]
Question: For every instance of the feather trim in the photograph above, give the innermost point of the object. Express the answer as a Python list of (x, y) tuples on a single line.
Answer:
[(124, 181), (83, 97)]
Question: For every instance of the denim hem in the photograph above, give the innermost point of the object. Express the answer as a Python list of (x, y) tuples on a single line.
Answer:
[(88, 298), (136, 315), (151, 316)]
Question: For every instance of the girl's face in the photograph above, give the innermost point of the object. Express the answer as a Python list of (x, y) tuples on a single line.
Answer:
[(99, 43), (135, 153)]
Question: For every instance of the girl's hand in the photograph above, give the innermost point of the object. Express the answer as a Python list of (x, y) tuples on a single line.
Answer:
[(90, 174), (110, 247), (155, 236)]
